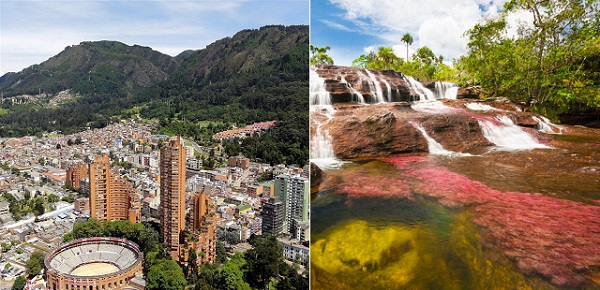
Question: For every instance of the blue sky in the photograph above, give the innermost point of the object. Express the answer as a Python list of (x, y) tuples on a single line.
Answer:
[(353, 27), (33, 31)]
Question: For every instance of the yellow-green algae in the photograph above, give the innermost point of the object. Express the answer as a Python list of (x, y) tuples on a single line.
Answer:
[(358, 255)]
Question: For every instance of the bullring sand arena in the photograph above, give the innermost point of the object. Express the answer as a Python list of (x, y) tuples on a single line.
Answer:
[(93, 264)]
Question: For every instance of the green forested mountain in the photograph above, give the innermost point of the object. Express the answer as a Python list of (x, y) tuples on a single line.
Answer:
[(255, 75), (93, 67)]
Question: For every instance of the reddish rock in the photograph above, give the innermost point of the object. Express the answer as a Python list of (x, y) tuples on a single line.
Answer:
[(470, 92), (341, 81), (385, 129)]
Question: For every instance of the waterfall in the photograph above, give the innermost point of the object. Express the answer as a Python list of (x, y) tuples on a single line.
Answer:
[(424, 93), (480, 107), (434, 147), (321, 148), (446, 90), (388, 90), (374, 86), (359, 96), (547, 126), (318, 93), (503, 132)]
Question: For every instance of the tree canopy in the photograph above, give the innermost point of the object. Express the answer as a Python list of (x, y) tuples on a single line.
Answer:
[(319, 55), (549, 64)]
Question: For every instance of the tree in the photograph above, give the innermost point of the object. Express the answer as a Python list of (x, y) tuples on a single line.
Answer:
[(263, 261), (385, 55), (363, 61), (35, 263), (231, 275), (165, 275), (545, 65), (319, 55), (20, 283), (408, 39), (52, 198)]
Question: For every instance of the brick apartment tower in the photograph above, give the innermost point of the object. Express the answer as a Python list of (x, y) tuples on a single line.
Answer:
[(172, 196), (111, 197), (204, 229), (75, 173)]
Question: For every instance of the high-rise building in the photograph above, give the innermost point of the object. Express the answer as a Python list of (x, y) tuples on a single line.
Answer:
[(76, 173), (294, 191), (172, 196), (272, 217), (204, 228), (111, 196)]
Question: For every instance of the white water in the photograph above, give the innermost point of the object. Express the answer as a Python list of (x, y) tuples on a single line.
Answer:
[(507, 135), (321, 148), (388, 90), (357, 94), (546, 126), (446, 90), (374, 86), (480, 107), (424, 93), (433, 107), (434, 147), (318, 92)]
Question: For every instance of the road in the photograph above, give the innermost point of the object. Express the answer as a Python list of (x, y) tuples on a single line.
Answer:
[(46, 215)]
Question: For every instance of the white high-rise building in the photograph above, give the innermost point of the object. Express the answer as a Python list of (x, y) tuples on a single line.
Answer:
[(294, 191)]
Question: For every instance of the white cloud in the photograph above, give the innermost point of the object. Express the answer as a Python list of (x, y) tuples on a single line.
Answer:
[(335, 25), (438, 24)]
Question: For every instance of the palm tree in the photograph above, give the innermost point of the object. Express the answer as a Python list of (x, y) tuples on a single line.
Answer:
[(409, 40), (319, 55), (386, 56)]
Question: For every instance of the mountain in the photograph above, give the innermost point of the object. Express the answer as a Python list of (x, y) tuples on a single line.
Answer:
[(254, 75), (93, 67)]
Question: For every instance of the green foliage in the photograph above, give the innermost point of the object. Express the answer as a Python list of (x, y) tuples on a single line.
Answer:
[(5, 247), (286, 143), (52, 198), (20, 283), (35, 263), (231, 276), (68, 198), (264, 261), (547, 65), (319, 55), (424, 64), (165, 275)]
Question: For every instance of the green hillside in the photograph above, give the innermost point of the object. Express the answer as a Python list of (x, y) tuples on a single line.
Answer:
[(255, 75)]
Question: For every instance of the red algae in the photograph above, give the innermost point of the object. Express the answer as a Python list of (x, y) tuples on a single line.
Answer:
[(555, 238)]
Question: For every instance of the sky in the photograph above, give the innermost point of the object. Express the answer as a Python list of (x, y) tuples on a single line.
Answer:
[(354, 27), (32, 31)]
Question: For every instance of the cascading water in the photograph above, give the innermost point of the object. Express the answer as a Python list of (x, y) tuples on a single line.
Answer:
[(546, 126), (434, 147), (357, 94), (374, 86), (481, 107), (321, 148), (318, 93), (503, 132), (446, 90), (388, 90), (424, 93)]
